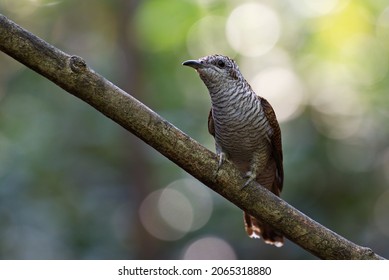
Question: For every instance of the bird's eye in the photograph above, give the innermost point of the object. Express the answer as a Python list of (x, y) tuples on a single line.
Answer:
[(221, 63)]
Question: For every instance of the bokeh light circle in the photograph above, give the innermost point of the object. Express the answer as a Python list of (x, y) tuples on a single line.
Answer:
[(317, 8), (209, 248), (283, 89), (175, 210), (207, 36), (152, 220), (195, 196), (253, 29), (181, 207)]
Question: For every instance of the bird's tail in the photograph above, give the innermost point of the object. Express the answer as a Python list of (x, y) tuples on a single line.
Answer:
[(256, 229)]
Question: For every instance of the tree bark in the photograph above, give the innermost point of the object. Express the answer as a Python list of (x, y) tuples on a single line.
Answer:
[(73, 75)]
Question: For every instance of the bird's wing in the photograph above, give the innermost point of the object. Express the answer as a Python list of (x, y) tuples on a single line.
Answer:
[(211, 126), (275, 141)]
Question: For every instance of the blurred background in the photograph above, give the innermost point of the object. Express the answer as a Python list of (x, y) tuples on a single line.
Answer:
[(75, 185)]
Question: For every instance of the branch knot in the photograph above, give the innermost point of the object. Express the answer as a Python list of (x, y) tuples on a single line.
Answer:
[(77, 64)]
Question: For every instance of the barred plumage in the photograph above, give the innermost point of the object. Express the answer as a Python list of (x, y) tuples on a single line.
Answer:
[(246, 131)]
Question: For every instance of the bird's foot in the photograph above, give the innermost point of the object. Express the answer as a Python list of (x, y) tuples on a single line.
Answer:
[(251, 176), (222, 158)]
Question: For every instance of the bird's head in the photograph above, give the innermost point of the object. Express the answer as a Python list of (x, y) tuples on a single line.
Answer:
[(215, 70)]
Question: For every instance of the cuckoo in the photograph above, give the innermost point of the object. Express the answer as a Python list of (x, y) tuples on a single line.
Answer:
[(246, 132)]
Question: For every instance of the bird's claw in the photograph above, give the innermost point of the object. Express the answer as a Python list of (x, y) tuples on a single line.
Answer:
[(222, 157), (250, 177), (220, 163)]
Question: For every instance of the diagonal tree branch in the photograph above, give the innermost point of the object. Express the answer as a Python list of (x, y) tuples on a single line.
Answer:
[(73, 75)]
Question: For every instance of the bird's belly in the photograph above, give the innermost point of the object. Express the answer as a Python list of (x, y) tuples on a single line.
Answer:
[(241, 146), (242, 136)]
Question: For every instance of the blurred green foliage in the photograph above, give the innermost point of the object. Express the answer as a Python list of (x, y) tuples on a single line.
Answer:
[(74, 185)]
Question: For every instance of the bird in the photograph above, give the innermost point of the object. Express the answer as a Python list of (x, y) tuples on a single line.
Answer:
[(246, 132)]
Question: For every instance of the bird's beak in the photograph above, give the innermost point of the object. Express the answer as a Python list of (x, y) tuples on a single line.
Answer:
[(193, 63)]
